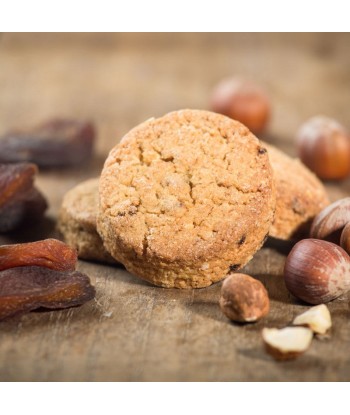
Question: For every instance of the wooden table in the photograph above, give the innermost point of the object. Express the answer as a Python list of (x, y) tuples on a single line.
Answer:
[(134, 331)]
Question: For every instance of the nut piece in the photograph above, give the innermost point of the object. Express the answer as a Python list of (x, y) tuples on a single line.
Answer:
[(324, 147), (329, 223), (317, 318), (287, 343), (49, 253), (317, 271), (243, 298), (243, 101), (345, 238)]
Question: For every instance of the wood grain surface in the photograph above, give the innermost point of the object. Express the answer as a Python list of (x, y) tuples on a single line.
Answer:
[(134, 331)]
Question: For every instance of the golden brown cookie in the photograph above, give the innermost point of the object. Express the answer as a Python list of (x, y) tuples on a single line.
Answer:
[(77, 222), (185, 198), (299, 195)]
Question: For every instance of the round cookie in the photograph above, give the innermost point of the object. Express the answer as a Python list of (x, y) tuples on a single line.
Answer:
[(77, 222), (185, 198), (299, 195)]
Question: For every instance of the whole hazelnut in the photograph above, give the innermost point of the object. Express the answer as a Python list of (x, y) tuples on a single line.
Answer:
[(329, 223), (243, 298), (345, 238), (317, 271), (324, 147), (243, 101)]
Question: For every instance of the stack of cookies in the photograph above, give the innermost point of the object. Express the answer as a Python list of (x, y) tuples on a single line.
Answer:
[(186, 198)]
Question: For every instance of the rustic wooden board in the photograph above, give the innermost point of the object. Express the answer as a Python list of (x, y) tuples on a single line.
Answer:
[(133, 331)]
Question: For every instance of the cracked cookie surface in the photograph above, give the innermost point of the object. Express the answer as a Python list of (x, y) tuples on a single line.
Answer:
[(185, 198), (300, 195), (77, 222)]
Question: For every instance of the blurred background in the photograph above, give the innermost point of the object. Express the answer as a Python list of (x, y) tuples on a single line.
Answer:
[(120, 80), (135, 331)]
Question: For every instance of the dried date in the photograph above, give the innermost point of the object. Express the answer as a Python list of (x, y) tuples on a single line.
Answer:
[(24, 289), (19, 200), (35, 204), (49, 253), (27, 208), (55, 143), (15, 179)]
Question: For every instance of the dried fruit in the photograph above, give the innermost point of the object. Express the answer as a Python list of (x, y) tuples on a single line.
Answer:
[(317, 271), (19, 200), (243, 101), (345, 238), (317, 318), (243, 298), (324, 147), (329, 223), (49, 253), (24, 289), (14, 180), (34, 204), (27, 209), (55, 143), (287, 343)]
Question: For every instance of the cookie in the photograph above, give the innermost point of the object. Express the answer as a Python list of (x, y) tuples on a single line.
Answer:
[(77, 222), (185, 198), (299, 196)]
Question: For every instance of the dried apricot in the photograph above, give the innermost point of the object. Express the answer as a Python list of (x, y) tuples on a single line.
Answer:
[(19, 200), (24, 289), (49, 253)]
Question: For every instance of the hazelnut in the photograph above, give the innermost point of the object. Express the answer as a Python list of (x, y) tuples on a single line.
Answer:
[(287, 343), (317, 271), (329, 223), (243, 101), (317, 318), (243, 298), (345, 238), (324, 147)]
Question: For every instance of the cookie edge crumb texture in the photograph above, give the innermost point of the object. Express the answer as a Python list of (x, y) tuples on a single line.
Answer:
[(300, 195), (79, 233)]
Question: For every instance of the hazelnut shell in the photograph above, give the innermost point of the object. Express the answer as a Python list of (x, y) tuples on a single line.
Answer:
[(345, 238), (324, 146), (243, 101), (329, 223), (317, 271)]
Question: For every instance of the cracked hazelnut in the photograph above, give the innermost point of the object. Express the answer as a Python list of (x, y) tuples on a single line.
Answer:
[(324, 147), (317, 318), (243, 101), (287, 343), (329, 223), (243, 298), (317, 271)]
